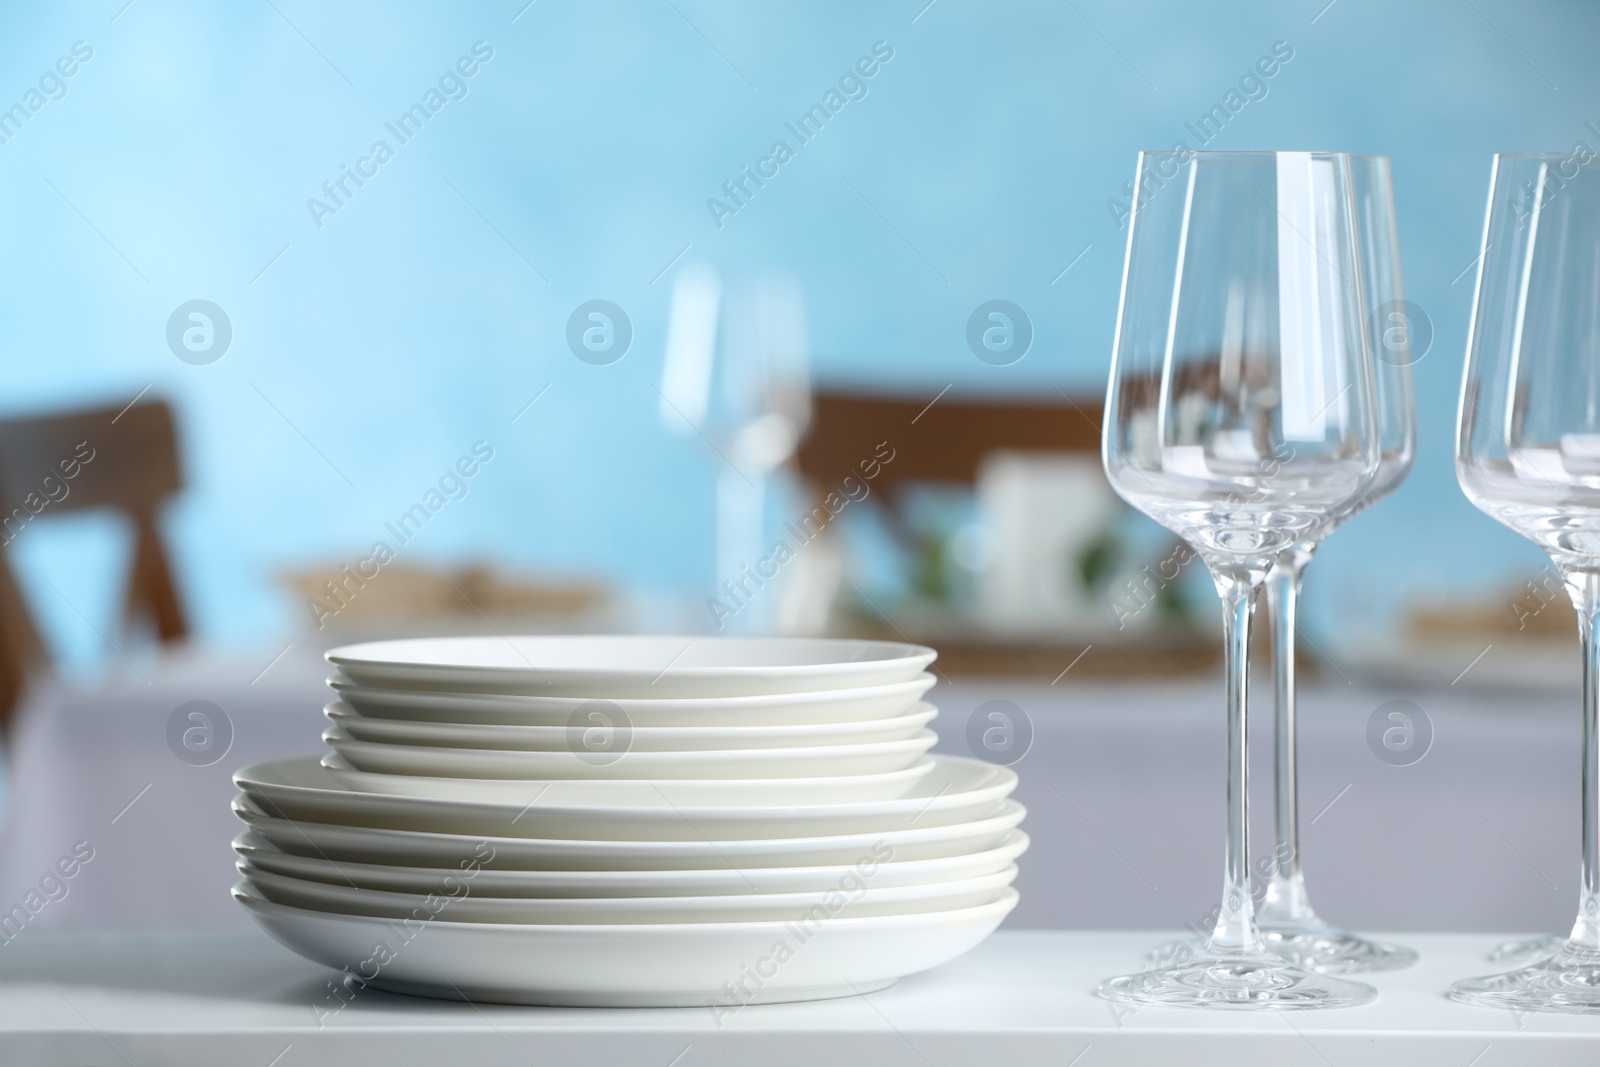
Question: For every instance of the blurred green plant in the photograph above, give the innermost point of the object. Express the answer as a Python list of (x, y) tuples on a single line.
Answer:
[(1102, 561)]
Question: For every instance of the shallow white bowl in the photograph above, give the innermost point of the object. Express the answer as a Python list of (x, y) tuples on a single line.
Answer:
[(489, 881), (615, 666), (820, 761), (779, 709), (632, 738), (983, 831), (668, 965), (853, 896), (302, 788)]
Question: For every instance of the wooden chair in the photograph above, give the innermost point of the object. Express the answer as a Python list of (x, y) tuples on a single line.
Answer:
[(122, 458), (945, 441)]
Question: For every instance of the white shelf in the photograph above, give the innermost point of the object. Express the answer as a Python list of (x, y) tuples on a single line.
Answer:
[(1023, 997)]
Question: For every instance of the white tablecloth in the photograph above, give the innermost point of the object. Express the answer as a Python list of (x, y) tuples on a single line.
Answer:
[(1123, 786)]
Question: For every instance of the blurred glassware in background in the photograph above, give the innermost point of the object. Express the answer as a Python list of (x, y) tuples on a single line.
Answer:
[(1241, 415), (1061, 556), (735, 376), (1528, 454), (1042, 515)]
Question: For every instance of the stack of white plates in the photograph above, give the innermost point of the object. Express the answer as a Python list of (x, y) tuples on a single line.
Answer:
[(629, 821)]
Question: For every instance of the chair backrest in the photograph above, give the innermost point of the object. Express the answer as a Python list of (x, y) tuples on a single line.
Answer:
[(103, 457), (944, 441), (124, 458)]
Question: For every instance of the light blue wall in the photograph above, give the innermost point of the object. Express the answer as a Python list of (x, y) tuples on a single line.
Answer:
[(407, 327)]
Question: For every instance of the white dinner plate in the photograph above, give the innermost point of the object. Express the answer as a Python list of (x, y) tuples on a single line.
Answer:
[(410, 848), (300, 787), (617, 666), (820, 761), (615, 732), (668, 965), (489, 881), (779, 709), (852, 897), (711, 792)]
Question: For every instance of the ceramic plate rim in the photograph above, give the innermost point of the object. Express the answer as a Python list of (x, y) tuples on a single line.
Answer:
[(340, 712), (634, 703), (247, 896), (924, 739), (994, 774), (1008, 809), (684, 902), (1015, 838), (907, 653)]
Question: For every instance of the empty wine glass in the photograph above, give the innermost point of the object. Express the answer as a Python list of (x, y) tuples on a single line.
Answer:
[(1289, 924), (1241, 414), (1528, 454), (1292, 928), (735, 378)]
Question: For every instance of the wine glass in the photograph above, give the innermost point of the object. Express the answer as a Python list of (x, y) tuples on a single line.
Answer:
[(1291, 927), (1528, 454), (1241, 415), (735, 378)]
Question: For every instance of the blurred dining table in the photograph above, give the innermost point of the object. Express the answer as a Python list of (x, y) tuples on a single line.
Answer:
[(1123, 782)]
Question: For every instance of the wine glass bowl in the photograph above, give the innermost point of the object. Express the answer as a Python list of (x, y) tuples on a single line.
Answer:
[(735, 370), (1233, 422)]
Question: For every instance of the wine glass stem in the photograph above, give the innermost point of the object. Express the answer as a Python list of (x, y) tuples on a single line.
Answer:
[(1584, 588), (1286, 899), (1235, 931)]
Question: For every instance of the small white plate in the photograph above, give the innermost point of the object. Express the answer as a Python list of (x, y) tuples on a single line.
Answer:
[(614, 666), (302, 788), (822, 761), (622, 734), (780, 709), (985, 830), (665, 965), (853, 897), (489, 881)]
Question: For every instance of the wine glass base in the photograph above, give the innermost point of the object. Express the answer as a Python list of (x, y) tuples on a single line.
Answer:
[(1178, 950), (1329, 950), (1527, 950), (1235, 983), (1312, 947), (1568, 982)]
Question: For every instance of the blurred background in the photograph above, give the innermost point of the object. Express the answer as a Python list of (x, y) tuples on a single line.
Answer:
[(580, 310)]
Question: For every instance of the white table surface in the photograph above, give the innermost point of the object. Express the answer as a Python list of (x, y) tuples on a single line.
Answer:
[(1021, 998)]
